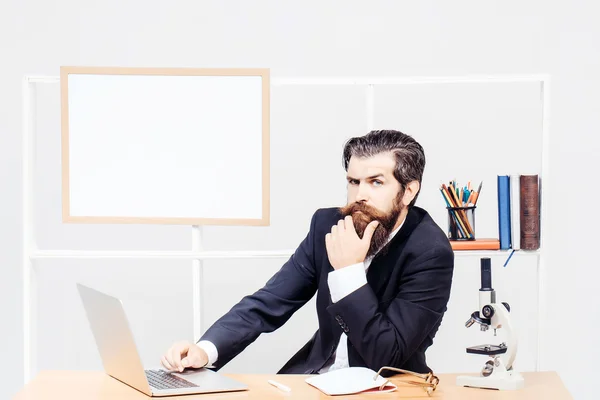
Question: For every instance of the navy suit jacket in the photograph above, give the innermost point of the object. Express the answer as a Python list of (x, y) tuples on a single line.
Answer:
[(390, 321)]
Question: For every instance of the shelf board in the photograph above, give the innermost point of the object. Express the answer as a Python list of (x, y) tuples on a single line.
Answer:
[(205, 255), (167, 254), (491, 253)]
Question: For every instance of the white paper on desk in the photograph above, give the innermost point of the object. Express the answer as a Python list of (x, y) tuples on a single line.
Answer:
[(349, 381)]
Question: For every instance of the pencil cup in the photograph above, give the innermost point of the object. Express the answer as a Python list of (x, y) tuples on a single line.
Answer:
[(461, 223)]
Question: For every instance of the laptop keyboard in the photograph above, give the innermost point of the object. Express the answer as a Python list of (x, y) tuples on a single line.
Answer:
[(160, 379)]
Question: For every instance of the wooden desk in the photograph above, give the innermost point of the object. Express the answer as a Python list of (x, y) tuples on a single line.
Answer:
[(96, 385)]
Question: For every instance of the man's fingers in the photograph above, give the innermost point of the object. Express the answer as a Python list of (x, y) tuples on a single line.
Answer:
[(191, 358), (196, 358), (334, 231), (330, 247), (174, 358), (176, 354), (169, 359), (369, 230), (350, 224), (166, 363), (341, 225)]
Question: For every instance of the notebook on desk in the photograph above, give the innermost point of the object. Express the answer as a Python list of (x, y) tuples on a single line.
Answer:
[(350, 380)]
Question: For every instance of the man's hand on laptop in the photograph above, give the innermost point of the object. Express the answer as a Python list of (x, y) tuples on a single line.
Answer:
[(184, 355)]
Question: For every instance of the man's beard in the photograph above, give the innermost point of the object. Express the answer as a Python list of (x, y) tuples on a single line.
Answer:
[(362, 214)]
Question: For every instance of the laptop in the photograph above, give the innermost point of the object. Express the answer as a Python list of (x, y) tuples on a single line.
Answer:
[(121, 359)]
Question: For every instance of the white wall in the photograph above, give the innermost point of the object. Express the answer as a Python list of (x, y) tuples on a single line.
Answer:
[(309, 38), (453, 121)]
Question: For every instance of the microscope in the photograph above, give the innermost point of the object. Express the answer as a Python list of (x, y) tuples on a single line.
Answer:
[(497, 372)]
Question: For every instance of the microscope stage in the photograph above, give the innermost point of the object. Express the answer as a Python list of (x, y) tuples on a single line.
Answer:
[(487, 349)]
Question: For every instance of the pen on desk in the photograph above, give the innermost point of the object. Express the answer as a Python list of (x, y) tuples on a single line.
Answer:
[(279, 386)]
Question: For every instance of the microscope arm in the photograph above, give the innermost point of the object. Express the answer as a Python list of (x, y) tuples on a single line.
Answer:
[(501, 319)]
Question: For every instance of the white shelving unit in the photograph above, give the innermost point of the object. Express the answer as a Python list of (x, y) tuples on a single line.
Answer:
[(196, 254)]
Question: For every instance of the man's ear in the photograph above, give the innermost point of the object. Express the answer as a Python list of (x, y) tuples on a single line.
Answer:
[(410, 192)]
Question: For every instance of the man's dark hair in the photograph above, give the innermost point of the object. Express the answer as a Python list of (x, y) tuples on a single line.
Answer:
[(410, 157)]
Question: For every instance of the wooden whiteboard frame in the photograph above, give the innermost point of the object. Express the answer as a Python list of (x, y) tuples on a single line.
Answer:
[(264, 73)]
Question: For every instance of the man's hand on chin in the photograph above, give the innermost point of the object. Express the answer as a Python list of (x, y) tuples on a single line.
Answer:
[(344, 247)]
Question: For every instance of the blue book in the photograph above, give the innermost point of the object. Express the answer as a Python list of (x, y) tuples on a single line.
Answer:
[(504, 232)]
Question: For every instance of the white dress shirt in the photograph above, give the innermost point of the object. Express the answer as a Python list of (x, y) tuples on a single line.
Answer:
[(341, 283)]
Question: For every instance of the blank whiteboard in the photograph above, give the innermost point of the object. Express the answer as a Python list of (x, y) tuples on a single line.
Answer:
[(165, 146)]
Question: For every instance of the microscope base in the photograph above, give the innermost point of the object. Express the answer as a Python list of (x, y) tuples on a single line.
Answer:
[(508, 380)]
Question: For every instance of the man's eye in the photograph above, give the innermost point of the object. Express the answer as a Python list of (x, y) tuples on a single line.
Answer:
[(353, 182), (377, 183)]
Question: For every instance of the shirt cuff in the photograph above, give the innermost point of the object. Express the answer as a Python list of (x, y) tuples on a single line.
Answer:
[(346, 280), (211, 352)]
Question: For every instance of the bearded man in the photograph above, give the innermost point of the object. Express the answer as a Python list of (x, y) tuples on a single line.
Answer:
[(380, 266)]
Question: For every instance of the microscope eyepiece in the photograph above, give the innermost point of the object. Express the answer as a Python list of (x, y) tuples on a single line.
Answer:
[(486, 274)]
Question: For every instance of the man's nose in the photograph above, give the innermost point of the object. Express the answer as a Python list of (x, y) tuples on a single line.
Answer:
[(363, 193)]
